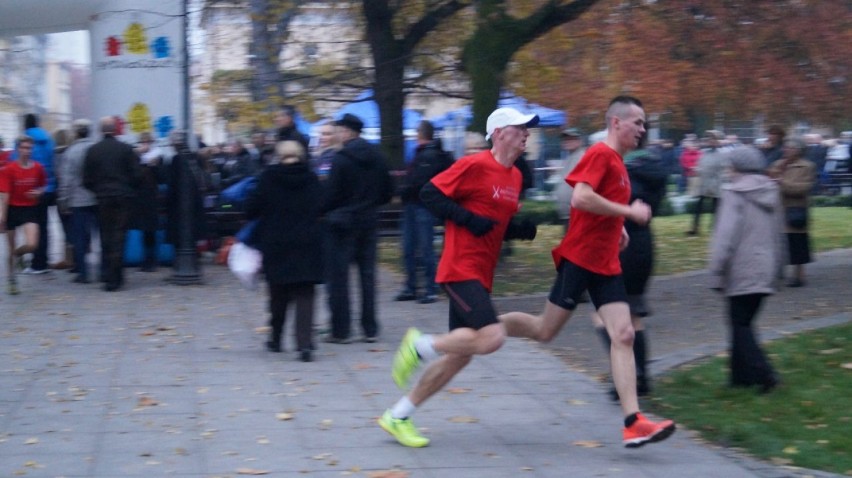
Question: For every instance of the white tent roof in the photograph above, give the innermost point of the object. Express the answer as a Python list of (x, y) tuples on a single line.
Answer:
[(31, 17)]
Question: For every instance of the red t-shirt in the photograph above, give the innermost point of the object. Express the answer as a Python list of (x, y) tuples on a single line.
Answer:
[(484, 187), (4, 157), (592, 240), (16, 181)]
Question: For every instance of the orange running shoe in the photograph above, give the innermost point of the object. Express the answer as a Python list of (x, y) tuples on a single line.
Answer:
[(645, 431)]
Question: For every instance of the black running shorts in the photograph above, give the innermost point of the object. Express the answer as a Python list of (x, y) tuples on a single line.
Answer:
[(572, 280), (20, 215), (470, 305)]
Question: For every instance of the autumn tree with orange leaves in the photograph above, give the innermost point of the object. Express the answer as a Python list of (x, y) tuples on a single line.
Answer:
[(700, 63)]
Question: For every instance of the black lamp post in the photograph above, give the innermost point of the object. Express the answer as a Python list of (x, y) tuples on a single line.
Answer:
[(184, 197)]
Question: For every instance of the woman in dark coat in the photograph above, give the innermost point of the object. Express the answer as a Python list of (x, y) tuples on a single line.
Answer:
[(146, 207), (648, 179), (286, 202)]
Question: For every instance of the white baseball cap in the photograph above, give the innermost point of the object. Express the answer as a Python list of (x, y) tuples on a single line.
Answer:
[(502, 117)]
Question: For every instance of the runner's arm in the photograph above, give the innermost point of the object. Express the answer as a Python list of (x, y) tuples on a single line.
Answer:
[(586, 199), (443, 207)]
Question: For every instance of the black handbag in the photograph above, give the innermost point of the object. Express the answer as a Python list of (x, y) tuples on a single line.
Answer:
[(797, 217)]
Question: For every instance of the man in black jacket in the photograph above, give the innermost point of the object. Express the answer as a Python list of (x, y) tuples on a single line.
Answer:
[(111, 171), (358, 183), (285, 121), (418, 224)]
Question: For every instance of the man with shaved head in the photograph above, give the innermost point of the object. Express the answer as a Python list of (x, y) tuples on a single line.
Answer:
[(588, 259), (111, 171)]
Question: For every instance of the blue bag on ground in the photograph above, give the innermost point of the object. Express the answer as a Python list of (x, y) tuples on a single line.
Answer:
[(238, 193)]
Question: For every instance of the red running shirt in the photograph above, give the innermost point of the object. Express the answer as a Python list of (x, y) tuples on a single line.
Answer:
[(16, 181), (484, 187), (592, 240)]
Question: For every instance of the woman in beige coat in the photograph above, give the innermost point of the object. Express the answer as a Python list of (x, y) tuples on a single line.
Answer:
[(795, 176), (747, 255)]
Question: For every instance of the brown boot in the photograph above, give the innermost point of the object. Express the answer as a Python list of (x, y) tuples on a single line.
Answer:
[(67, 262)]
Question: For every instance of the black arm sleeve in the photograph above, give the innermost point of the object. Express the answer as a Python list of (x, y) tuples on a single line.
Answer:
[(442, 206)]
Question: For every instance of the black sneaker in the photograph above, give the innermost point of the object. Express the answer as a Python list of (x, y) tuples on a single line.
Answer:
[(336, 340), (428, 299), (404, 296)]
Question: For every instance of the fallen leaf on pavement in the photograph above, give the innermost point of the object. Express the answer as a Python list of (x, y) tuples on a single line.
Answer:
[(587, 444), (458, 390), (463, 419), (146, 401), (31, 441), (284, 416), (388, 474), (251, 471)]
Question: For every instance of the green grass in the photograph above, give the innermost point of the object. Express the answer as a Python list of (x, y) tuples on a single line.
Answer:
[(530, 268), (804, 422)]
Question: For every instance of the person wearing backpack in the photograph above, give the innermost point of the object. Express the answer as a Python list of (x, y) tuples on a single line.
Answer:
[(418, 224)]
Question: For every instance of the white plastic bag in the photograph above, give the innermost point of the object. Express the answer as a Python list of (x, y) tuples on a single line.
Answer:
[(245, 262)]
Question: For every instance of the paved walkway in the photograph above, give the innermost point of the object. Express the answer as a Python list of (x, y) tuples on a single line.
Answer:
[(161, 380)]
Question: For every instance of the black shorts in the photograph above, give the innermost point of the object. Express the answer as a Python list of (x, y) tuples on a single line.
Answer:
[(572, 280), (20, 215), (470, 305)]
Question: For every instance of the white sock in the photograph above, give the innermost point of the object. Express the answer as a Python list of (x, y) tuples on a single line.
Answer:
[(403, 409), (425, 347)]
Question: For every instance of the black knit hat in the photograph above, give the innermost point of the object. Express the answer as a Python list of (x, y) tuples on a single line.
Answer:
[(351, 121)]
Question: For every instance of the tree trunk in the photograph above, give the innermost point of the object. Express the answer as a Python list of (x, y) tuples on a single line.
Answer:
[(498, 36), (486, 57), (391, 54), (267, 82), (390, 98)]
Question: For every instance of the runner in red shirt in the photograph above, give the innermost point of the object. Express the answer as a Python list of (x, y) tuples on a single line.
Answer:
[(477, 197), (22, 183), (587, 259)]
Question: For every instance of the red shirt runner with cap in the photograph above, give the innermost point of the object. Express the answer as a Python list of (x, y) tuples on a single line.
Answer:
[(484, 187), (592, 239)]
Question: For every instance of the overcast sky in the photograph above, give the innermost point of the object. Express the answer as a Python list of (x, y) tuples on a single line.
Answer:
[(69, 46)]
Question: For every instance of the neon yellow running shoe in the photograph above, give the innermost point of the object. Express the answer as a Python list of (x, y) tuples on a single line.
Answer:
[(406, 360), (403, 430), (13, 288)]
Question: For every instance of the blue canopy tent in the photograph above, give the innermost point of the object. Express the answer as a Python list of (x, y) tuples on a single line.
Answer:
[(368, 111), (464, 115)]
